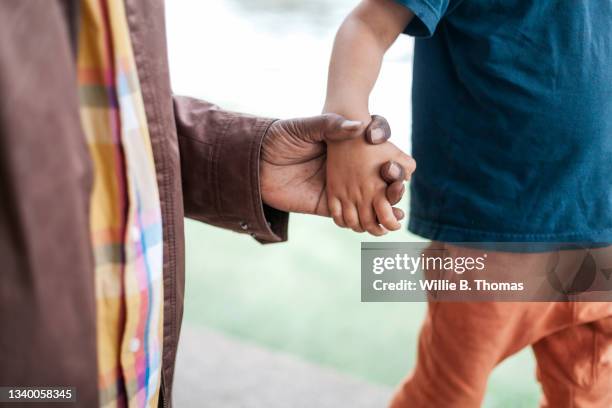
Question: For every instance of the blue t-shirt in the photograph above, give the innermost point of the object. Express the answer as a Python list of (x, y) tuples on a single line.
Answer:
[(512, 120)]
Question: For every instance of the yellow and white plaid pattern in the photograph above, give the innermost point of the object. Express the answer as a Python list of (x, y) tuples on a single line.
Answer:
[(126, 223)]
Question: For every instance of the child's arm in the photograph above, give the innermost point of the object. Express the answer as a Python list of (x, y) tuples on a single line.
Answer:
[(355, 192), (362, 40)]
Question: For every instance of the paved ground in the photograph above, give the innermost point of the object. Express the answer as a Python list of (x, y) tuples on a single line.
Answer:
[(216, 371)]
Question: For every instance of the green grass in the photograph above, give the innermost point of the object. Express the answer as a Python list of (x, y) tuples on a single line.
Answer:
[(303, 297)]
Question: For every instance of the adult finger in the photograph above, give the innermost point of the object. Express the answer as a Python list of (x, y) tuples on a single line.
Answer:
[(392, 171), (327, 127), (378, 131), (399, 214), (331, 127), (395, 192), (337, 128)]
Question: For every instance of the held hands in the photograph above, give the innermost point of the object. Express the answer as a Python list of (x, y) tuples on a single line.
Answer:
[(293, 167), (356, 193)]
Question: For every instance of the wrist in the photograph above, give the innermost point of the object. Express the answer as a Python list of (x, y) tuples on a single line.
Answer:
[(358, 113)]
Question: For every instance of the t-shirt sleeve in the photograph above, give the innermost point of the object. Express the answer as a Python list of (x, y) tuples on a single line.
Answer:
[(427, 15)]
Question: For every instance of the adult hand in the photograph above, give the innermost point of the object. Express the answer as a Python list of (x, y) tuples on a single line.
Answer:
[(377, 132), (293, 159)]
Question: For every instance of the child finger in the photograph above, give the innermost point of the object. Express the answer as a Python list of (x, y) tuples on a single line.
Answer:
[(335, 211), (351, 217), (385, 213), (395, 192), (368, 220), (407, 163)]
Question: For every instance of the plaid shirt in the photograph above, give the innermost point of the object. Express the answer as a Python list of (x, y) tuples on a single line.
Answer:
[(126, 225)]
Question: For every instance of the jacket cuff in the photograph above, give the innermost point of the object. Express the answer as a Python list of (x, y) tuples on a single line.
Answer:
[(237, 160), (220, 154)]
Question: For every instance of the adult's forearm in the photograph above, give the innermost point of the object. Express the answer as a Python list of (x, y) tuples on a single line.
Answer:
[(219, 153)]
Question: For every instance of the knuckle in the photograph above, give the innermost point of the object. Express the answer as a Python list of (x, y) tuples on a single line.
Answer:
[(351, 222), (387, 220), (379, 201)]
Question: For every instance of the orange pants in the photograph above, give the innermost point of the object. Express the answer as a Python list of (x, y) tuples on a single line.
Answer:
[(462, 342)]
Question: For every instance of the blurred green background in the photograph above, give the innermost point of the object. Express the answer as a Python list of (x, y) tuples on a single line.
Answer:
[(269, 57), (303, 297)]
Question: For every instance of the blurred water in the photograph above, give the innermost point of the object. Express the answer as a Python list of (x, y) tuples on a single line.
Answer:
[(270, 57)]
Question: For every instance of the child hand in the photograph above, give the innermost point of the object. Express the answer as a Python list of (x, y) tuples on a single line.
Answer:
[(355, 190)]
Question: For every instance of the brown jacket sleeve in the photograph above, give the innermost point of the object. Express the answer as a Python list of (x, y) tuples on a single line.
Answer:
[(220, 169)]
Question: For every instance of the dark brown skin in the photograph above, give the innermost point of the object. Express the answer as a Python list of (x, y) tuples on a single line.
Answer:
[(294, 156)]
